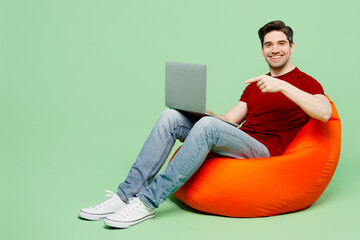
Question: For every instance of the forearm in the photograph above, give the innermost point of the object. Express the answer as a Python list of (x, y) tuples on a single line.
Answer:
[(316, 106), (224, 117), (235, 115)]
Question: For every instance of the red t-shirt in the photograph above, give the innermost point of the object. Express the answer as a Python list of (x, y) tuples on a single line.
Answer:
[(272, 118)]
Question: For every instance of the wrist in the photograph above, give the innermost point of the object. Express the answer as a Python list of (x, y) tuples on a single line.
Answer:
[(284, 86)]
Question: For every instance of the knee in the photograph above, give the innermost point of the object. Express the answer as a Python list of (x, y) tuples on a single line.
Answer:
[(170, 117), (170, 114), (206, 123), (206, 129)]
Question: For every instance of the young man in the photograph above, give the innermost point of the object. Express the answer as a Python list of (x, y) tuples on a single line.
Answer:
[(274, 106)]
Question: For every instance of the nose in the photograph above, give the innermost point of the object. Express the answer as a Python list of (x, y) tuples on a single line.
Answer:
[(275, 49)]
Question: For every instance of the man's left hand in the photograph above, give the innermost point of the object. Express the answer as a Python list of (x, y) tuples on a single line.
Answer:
[(267, 83)]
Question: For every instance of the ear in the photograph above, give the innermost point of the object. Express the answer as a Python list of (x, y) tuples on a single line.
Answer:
[(292, 47), (262, 51)]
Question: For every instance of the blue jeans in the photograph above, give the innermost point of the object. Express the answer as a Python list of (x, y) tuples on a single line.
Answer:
[(200, 136)]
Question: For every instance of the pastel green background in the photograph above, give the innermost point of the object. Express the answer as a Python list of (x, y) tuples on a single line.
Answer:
[(82, 83)]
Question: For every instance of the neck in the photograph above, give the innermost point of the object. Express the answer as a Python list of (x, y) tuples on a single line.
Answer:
[(281, 70)]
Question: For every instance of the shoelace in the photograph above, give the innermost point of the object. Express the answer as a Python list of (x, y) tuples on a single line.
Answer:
[(129, 208), (108, 196)]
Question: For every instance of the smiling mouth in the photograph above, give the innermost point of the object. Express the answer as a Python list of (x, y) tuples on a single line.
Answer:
[(276, 57)]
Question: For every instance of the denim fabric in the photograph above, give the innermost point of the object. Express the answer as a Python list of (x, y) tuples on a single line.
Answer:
[(200, 137)]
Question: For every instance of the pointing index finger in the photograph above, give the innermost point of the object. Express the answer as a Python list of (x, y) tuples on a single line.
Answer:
[(254, 79)]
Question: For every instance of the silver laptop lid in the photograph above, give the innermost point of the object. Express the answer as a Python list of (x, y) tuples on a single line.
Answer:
[(185, 86)]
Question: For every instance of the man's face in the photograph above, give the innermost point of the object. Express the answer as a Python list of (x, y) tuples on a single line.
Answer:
[(277, 49)]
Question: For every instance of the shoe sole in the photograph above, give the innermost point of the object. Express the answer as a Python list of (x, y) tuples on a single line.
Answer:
[(92, 217), (121, 224)]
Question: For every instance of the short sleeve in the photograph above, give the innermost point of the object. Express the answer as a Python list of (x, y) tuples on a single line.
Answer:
[(312, 86), (244, 96)]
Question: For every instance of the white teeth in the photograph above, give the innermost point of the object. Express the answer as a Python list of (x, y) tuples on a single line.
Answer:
[(275, 56)]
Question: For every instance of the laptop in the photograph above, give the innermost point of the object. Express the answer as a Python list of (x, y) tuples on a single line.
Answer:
[(185, 88)]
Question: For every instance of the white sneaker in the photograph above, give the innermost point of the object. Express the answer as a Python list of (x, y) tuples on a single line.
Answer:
[(111, 204), (133, 213)]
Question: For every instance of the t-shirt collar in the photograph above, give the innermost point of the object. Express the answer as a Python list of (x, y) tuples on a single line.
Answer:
[(286, 74)]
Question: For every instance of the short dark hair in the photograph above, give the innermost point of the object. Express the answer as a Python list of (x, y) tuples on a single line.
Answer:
[(275, 26)]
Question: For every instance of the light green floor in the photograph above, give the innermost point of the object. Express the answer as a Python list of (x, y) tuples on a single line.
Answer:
[(40, 211)]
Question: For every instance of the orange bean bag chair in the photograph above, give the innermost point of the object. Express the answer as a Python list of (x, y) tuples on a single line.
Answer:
[(268, 186)]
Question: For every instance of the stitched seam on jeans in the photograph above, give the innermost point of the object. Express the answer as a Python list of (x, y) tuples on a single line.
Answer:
[(148, 174), (243, 139), (156, 164), (165, 192)]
